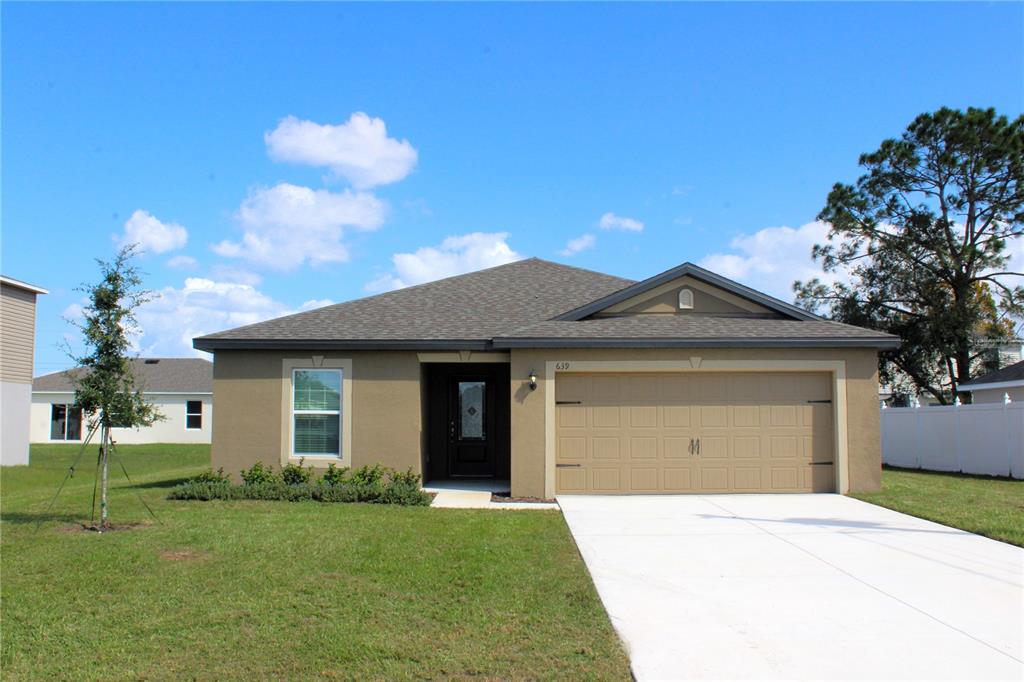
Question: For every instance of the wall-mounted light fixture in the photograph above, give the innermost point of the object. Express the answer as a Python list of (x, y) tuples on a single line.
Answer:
[(533, 380)]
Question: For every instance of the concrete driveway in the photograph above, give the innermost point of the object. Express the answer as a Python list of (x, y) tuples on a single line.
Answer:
[(806, 587)]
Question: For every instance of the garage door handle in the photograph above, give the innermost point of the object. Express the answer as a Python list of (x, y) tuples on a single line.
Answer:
[(821, 464), (568, 466), (820, 402), (568, 402)]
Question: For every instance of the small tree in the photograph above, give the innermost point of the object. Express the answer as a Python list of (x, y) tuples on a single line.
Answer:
[(923, 235), (105, 388)]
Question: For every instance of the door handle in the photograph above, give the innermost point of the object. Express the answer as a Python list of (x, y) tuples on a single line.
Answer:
[(698, 446), (451, 429), (691, 446)]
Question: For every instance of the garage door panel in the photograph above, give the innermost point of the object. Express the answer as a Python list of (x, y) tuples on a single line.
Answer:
[(713, 479), (677, 479), (645, 417), (676, 416), (644, 447), (746, 447), (713, 416), (785, 478), (643, 480), (606, 448), (676, 447), (606, 480), (571, 480), (572, 416), (747, 479), (633, 432), (572, 448), (605, 416)]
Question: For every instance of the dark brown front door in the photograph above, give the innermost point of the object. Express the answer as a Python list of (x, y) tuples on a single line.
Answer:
[(472, 427)]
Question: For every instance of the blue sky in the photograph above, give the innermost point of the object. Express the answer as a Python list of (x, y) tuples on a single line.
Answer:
[(425, 140)]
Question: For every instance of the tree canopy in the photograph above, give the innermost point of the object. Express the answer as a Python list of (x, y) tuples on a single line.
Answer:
[(918, 246)]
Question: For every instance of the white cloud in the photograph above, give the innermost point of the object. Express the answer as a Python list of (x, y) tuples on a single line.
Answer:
[(358, 150), (454, 256), (581, 243), (151, 234), (288, 225), (182, 263), (202, 306), (610, 221), (229, 273), (769, 260)]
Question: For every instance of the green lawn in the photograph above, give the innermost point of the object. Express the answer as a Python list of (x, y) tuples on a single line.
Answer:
[(988, 506), (257, 590)]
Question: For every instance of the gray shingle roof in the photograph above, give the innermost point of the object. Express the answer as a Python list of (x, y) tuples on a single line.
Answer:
[(1014, 372), (683, 330), (165, 375), (471, 307), (515, 305)]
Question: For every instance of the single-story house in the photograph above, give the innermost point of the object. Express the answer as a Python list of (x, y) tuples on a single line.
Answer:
[(997, 385), (181, 389), (561, 380)]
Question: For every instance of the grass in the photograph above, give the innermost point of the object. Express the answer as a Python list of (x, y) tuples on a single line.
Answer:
[(992, 507), (256, 590)]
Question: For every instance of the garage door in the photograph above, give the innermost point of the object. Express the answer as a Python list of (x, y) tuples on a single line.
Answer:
[(696, 432)]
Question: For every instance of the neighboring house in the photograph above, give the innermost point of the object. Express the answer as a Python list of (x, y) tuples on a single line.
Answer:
[(181, 389), (17, 346), (995, 354), (561, 380), (995, 386)]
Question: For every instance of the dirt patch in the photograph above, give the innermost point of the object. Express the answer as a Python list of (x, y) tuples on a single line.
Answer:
[(79, 527), (183, 555), (507, 497)]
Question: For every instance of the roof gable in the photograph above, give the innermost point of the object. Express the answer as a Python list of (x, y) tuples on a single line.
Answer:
[(733, 293)]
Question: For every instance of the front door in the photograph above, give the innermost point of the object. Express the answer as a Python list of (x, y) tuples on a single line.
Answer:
[(472, 424)]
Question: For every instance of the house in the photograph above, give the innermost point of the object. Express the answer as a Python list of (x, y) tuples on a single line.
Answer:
[(561, 380), (181, 389), (17, 348), (995, 386)]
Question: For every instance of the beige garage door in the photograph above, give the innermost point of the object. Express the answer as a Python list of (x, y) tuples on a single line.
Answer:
[(696, 432)]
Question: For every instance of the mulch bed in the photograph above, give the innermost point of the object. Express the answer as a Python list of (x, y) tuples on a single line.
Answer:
[(507, 497)]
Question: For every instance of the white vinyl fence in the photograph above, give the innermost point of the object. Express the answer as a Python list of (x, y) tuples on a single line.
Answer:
[(974, 439)]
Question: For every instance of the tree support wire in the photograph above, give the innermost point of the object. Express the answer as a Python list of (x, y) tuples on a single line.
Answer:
[(69, 474), (120, 462)]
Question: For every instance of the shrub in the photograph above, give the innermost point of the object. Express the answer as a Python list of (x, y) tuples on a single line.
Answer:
[(202, 490), (211, 476), (366, 484), (259, 473), (406, 478), (334, 475), (368, 475), (296, 474)]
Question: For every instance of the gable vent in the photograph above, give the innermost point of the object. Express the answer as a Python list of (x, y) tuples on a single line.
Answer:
[(150, 362)]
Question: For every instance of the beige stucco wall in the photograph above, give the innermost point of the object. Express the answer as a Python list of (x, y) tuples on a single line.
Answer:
[(387, 407), (249, 389), (528, 407)]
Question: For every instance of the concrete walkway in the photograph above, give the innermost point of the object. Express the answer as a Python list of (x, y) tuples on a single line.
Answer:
[(809, 587), (476, 494)]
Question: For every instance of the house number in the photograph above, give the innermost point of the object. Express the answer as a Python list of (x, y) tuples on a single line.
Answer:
[(561, 365)]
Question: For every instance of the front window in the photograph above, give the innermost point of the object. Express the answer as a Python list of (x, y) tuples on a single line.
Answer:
[(193, 414), (316, 412), (65, 422)]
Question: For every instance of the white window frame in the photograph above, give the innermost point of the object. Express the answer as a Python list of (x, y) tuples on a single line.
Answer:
[(194, 414), (337, 413)]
